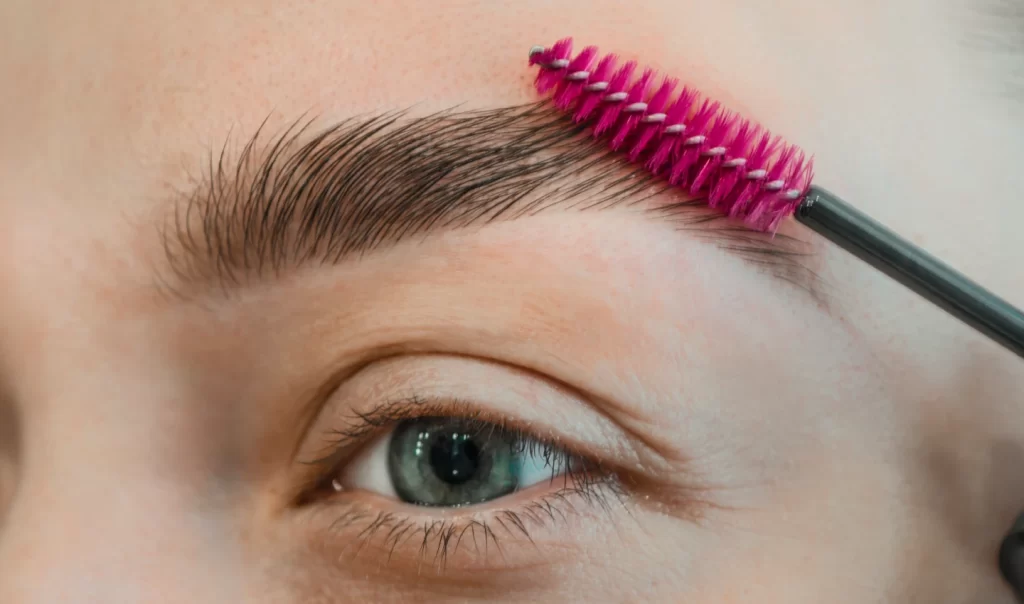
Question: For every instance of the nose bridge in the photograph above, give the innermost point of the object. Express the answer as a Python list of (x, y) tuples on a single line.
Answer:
[(84, 529), (111, 506), (68, 544), (115, 500)]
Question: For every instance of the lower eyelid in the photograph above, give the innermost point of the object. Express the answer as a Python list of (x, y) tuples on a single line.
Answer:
[(529, 526)]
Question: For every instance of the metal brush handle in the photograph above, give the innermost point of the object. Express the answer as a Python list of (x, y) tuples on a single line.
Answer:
[(852, 230)]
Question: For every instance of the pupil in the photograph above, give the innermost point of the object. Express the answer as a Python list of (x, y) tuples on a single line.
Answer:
[(454, 458)]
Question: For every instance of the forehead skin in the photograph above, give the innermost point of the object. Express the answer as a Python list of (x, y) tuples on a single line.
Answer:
[(105, 107)]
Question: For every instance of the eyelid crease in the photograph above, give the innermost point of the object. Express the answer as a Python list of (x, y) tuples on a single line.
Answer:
[(604, 423)]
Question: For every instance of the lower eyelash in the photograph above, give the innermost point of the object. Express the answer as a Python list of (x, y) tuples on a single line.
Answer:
[(433, 541)]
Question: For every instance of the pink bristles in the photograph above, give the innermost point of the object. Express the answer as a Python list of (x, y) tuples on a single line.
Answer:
[(738, 166)]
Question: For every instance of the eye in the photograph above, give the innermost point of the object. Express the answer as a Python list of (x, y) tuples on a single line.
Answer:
[(451, 462), (443, 482)]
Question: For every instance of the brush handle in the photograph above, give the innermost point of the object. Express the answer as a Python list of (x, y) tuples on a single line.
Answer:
[(1011, 557), (852, 230)]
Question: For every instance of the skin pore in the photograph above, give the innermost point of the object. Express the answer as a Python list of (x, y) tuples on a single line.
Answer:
[(764, 446)]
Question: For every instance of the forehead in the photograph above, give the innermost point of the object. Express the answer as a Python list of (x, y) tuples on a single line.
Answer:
[(127, 88), (122, 97), (184, 65)]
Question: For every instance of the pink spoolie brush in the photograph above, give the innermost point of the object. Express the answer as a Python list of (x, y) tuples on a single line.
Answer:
[(744, 171)]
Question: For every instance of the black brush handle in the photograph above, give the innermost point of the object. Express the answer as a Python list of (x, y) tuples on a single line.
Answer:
[(1011, 558), (852, 230)]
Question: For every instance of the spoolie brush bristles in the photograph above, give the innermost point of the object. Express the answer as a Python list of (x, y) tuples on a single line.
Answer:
[(738, 166)]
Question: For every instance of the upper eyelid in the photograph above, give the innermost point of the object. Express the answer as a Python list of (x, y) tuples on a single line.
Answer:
[(546, 418)]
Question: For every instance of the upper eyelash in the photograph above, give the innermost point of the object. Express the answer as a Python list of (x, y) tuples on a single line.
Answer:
[(361, 425)]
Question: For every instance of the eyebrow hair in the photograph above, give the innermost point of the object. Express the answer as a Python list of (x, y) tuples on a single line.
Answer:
[(309, 196)]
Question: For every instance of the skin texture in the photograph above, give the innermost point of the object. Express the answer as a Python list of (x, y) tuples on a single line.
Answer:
[(782, 451)]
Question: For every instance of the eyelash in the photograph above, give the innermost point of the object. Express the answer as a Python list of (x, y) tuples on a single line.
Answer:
[(584, 480)]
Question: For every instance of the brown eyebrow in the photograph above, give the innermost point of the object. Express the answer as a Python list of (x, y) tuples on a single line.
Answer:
[(309, 196)]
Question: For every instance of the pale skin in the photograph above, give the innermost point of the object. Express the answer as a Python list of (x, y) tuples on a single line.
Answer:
[(867, 451)]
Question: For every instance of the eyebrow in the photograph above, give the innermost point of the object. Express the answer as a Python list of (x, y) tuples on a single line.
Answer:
[(309, 196)]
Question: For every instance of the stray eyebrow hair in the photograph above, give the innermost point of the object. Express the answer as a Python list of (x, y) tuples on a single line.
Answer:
[(307, 197)]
